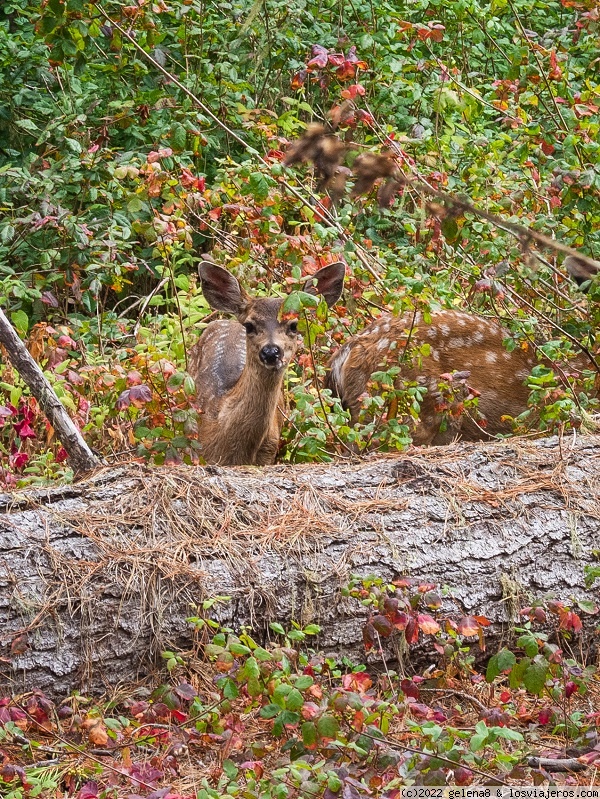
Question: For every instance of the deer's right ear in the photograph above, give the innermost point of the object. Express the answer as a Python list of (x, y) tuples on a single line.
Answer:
[(221, 289), (328, 281)]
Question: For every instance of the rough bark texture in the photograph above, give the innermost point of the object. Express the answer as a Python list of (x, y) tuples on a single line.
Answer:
[(81, 458), (98, 577)]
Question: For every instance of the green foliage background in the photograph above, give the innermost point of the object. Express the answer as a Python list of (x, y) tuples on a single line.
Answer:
[(113, 180)]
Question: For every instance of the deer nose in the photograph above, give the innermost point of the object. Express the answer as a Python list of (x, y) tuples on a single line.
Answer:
[(270, 354)]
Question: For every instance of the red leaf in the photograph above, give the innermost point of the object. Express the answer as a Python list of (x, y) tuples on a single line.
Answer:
[(368, 636), (409, 688), (353, 91), (428, 624), (48, 298), (185, 691), (420, 710), (319, 59), (299, 79), (463, 776), (123, 400), (365, 117), (358, 681), (24, 430), (468, 626), (383, 625), (399, 620), (412, 631), (140, 395)]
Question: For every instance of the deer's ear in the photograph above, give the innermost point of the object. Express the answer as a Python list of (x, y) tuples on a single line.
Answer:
[(328, 281), (221, 289)]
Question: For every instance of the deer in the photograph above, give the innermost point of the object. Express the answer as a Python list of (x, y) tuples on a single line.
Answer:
[(239, 365), (459, 342)]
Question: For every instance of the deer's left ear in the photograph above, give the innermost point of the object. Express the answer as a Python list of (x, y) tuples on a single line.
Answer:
[(328, 281)]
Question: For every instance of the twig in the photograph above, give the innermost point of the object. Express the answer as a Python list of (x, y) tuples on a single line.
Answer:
[(453, 763), (555, 764)]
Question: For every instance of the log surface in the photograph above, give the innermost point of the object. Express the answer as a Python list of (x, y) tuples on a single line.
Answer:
[(97, 578)]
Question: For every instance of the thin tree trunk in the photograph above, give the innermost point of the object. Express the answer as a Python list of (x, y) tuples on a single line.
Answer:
[(80, 456)]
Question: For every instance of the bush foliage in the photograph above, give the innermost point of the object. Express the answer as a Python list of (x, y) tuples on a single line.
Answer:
[(133, 138)]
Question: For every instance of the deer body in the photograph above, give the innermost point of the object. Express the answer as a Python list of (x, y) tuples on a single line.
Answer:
[(239, 366), (458, 342)]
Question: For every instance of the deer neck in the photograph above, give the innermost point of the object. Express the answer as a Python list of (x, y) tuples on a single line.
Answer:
[(248, 412)]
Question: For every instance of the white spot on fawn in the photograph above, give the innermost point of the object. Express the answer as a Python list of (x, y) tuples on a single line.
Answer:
[(383, 344), (491, 357), (478, 336), (445, 330)]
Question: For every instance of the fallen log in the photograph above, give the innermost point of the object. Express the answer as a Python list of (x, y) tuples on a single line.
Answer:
[(98, 577)]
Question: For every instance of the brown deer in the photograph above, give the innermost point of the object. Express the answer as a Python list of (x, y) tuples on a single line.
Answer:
[(239, 366), (458, 342)]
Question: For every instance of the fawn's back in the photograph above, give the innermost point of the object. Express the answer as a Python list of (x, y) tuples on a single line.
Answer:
[(459, 342)]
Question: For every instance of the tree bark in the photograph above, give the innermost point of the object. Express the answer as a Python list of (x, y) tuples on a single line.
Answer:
[(97, 578), (79, 454)]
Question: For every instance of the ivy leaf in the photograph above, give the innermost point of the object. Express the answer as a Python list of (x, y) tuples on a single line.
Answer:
[(534, 678), (506, 659)]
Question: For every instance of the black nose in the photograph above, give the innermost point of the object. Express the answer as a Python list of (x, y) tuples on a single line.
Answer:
[(270, 354)]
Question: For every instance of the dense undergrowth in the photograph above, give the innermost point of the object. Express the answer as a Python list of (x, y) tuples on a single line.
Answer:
[(235, 718), (113, 180)]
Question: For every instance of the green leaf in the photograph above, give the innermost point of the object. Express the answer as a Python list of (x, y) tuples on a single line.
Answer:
[(277, 628), (304, 682), (135, 205), (21, 321), (26, 124), (259, 185), (212, 650), (230, 689), (529, 643), (328, 726), (493, 669), (262, 655), (230, 769), (254, 686), (312, 629), (510, 735), (280, 694), (478, 742), (587, 606), (175, 381), (294, 700), (534, 678), (239, 649), (309, 733), (178, 137), (506, 659), (515, 679), (270, 711), (250, 669)]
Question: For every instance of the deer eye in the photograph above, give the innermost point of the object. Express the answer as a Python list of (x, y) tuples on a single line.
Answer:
[(293, 327), (250, 328)]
